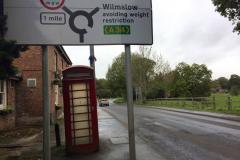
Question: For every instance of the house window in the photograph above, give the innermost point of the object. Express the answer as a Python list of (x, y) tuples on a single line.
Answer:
[(2, 94), (31, 83)]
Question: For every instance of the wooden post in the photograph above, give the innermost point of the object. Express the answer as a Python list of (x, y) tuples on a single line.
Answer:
[(202, 103), (214, 102), (192, 103), (229, 103)]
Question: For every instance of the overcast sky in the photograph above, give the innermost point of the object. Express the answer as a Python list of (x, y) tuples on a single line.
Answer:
[(186, 30)]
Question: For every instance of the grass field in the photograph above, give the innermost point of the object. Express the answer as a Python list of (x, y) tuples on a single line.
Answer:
[(119, 101), (221, 103)]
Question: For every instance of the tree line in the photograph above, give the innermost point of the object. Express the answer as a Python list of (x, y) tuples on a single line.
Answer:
[(153, 78), (8, 52), (224, 85)]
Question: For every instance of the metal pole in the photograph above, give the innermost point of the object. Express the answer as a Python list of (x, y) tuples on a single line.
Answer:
[(46, 106), (92, 56), (92, 62), (128, 73)]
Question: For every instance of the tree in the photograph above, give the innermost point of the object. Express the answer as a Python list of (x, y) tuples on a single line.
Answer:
[(116, 77), (234, 80), (180, 88), (143, 72), (234, 83), (156, 89), (3, 28), (224, 83), (215, 86), (168, 82), (231, 10), (192, 80), (235, 90), (149, 69), (144, 75), (8, 52), (102, 88)]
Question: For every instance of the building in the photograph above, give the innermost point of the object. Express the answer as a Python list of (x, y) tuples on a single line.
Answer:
[(21, 97)]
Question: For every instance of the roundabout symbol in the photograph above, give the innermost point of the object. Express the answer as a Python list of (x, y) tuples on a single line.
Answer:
[(52, 4), (74, 15)]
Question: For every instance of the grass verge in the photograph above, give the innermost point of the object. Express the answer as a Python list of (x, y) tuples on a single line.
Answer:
[(119, 101), (217, 103)]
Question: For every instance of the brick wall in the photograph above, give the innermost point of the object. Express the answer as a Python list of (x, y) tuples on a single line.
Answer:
[(58, 64), (29, 101), (11, 94), (7, 122)]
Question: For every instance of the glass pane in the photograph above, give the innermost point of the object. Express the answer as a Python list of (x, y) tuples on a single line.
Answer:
[(84, 140), (80, 101), (81, 125), (81, 117), (77, 94), (81, 86), (82, 133), (82, 109)]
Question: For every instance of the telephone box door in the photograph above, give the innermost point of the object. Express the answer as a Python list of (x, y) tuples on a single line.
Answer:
[(81, 119)]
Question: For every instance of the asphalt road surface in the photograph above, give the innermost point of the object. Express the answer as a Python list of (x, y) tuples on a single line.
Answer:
[(181, 136)]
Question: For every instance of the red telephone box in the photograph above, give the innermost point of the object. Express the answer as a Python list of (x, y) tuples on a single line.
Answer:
[(80, 110)]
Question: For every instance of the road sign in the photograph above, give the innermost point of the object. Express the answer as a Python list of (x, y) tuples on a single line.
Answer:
[(74, 22), (52, 4)]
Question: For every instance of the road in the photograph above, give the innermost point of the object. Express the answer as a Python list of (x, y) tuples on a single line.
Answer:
[(181, 136)]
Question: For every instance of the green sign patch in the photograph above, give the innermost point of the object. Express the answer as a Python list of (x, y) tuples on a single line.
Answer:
[(117, 29)]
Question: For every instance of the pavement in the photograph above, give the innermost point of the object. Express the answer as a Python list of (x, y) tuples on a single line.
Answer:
[(113, 143)]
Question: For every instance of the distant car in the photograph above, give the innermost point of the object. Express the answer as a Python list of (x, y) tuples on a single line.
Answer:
[(103, 102)]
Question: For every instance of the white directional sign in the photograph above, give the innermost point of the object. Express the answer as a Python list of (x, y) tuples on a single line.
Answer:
[(72, 22)]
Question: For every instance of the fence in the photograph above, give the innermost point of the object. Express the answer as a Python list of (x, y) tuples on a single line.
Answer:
[(201, 103)]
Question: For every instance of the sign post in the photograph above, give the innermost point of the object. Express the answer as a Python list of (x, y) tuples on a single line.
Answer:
[(46, 106), (92, 58), (60, 22), (131, 131), (72, 22)]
